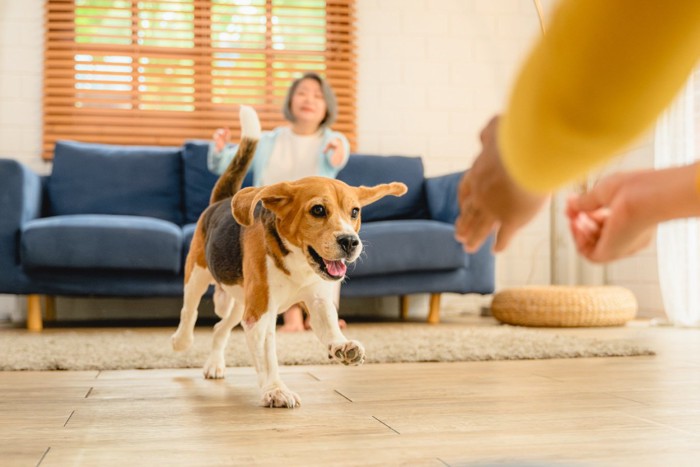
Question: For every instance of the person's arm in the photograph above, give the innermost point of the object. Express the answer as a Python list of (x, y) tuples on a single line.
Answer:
[(619, 215), (263, 152), (336, 151), (220, 153), (217, 161), (601, 75)]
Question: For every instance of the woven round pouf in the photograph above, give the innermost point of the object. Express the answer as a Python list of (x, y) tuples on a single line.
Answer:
[(564, 306)]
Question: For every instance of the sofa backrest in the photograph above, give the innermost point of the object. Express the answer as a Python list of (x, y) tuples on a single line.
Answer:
[(109, 179), (174, 184), (198, 181)]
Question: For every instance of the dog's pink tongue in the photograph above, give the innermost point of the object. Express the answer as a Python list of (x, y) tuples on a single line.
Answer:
[(335, 268)]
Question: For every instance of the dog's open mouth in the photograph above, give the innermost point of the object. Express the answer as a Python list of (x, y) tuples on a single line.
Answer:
[(334, 269)]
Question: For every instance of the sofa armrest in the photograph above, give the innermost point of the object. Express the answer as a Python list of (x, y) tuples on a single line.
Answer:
[(20, 201), (482, 268), (441, 196)]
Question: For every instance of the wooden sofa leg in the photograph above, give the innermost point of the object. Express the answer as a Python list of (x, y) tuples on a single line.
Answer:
[(404, 307), (434, 313), (34, 320)]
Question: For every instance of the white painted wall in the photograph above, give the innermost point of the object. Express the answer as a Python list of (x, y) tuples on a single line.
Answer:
[(430, 74)]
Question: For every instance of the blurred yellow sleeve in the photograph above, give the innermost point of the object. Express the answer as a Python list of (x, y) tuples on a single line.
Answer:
[(600, 76)]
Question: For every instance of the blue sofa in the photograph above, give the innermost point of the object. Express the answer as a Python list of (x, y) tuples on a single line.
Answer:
[(116, 221)]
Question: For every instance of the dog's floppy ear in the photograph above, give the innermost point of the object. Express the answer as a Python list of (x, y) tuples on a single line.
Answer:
[(243, 205), (277, 198), (368, 195)]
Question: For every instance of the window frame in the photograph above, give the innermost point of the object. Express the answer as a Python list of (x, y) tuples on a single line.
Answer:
[(67, 114)]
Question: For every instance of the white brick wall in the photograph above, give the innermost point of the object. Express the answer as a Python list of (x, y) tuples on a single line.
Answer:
[(431, 73), (21, 55), (21, 69)]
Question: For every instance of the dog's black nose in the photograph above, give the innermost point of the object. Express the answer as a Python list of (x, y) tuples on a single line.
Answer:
[(348, 243)]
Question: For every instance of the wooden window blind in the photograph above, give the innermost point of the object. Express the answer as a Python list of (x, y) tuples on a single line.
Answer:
[(162, 72)]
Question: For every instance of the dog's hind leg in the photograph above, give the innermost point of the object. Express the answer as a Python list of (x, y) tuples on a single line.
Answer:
[(261, 342), (216, 363), (197, 284)]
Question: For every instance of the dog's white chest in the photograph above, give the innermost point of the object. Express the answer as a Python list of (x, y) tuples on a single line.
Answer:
[(285, 288), (300, 272)]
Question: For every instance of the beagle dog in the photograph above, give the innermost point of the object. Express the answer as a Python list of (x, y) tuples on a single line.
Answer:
[(266, 249)]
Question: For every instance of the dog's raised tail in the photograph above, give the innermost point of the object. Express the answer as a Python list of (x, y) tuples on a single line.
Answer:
[(250, 124), (231, 180)]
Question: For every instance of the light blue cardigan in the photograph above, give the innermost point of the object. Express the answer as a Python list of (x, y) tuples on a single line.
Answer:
[(218, 161)]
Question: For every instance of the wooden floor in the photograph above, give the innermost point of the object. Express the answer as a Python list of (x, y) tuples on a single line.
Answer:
[(602, 411)]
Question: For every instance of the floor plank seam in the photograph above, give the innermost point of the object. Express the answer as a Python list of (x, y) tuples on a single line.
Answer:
[(385, 425), (313, 376), (442, 461), (343, 395), (88, 393), (43, 456), (69, 417)]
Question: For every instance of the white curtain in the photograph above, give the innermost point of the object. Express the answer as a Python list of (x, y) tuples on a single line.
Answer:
[(678, 242)]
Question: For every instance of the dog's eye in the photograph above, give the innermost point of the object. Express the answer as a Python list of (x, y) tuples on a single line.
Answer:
[(354, 213), (318, 211)]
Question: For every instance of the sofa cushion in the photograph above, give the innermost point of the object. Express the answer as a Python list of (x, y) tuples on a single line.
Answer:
[(110, 179), (372, 170), (102, 242), (198, 180), (441, 196), (393, 247)]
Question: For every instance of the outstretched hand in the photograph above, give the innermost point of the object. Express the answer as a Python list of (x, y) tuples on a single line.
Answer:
[(221, 137), (619, 215), (612, 220), (490, 201), (337, 152)]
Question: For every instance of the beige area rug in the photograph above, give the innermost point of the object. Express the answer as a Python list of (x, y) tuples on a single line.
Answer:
[(119, 349)]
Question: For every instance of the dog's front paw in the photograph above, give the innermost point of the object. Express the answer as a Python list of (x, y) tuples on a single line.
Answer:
[(182, 340), (280, 397), (215, 367), (347, 353)]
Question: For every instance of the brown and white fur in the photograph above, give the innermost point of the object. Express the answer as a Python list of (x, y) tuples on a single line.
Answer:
[(266, 249)]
